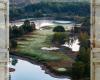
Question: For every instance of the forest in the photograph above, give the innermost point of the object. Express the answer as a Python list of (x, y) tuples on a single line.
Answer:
[(52, 9)]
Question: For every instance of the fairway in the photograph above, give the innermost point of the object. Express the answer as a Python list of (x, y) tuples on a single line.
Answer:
[(32, 43)]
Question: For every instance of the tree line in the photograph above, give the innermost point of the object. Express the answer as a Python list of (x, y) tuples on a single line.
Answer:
[(18, 31), (51, 9)]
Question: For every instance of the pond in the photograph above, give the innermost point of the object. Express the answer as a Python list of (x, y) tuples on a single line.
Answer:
[(25, 70)]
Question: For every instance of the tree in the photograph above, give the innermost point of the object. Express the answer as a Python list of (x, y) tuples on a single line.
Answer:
[(86, 25), (21, 31), (27, 27), (84, 52), (76, 29), (84, 40), (15, 31), (59, 38), (13, 43), (83, 56), (38, 14), (33, 26), (59, 29), (77, 71)]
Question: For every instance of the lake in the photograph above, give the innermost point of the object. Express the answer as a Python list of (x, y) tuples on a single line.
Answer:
[(25, 70)]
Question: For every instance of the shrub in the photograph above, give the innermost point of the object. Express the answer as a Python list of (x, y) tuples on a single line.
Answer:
[(59, 38), (77, 72), (27, 27), (14, 32), (13, 43), (59, 29)]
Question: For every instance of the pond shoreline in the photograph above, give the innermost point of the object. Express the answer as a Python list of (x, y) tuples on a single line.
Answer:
[(44, 66)]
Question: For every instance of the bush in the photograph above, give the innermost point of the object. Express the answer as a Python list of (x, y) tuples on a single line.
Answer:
[(59, 29), (59, 38), (84, 54), (14, 32), (77, 72), (33, 26), (13, 43), (27, 27)]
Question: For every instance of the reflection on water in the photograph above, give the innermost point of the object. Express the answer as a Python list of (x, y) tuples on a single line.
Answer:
[(14, 61), (25, 70)]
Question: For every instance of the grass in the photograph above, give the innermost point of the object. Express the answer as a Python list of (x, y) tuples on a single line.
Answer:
[(30, 46), (33, 44)]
